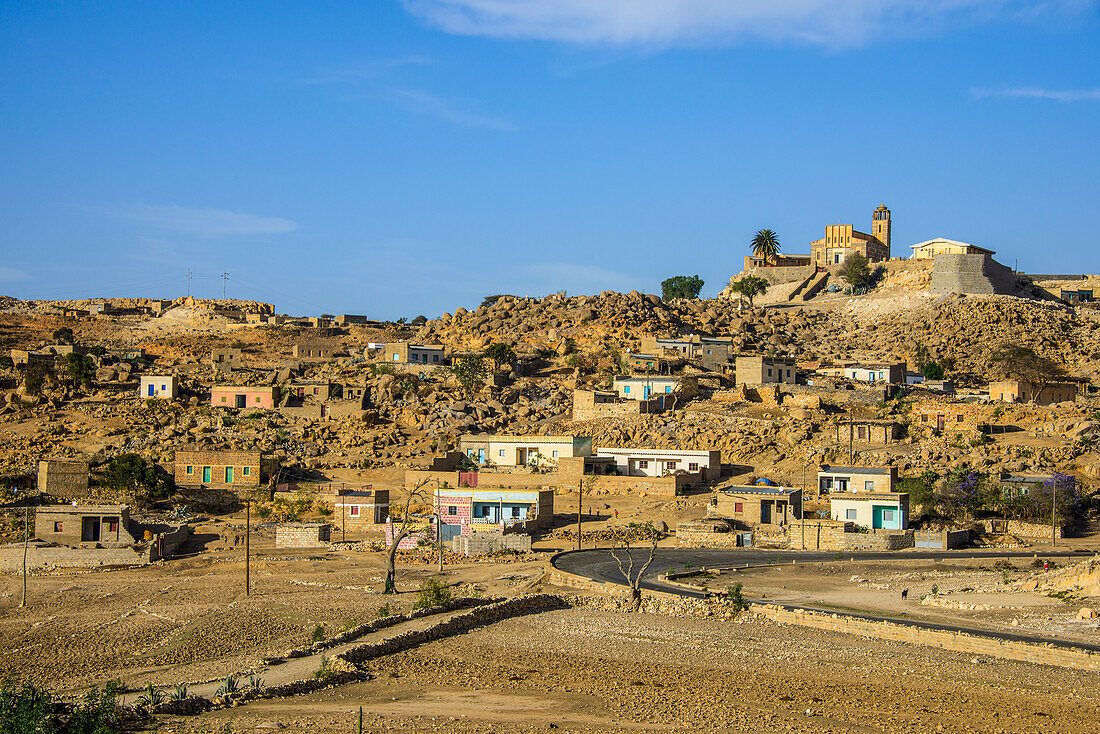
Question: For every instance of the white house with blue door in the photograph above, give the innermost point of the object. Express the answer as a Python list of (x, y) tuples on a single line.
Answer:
[(159, 386), (875, 510), (645, 387)]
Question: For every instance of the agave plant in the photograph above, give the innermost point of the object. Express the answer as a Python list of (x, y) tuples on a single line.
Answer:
[(255, 682), (179, 694), (152, 697), (230, 686)]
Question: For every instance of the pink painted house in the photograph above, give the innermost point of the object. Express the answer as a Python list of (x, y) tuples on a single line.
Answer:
[(252, 396)]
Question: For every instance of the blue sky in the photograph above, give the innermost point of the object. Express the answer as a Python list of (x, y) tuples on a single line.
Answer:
[(396, 158)]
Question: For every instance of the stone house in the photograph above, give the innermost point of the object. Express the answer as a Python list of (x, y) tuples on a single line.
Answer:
[(761, 370), (73, 526), (868, 430), (313, 352), (832, 479), (466, 510), (64, 479), (651, 462), (759, 504), (1016, 485), (261, 397), (360, 508), (929, 249), (517, 451), (590, 405), (875, 510), (405, 353), (159, 386), (226, 359), (235, 470), (1023, 391)]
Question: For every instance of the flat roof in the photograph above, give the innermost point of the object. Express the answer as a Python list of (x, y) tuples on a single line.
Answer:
[(856, 469), (867, 496), (497, 438), (89, 509), (684, 452), (951, 242), (759, 489)]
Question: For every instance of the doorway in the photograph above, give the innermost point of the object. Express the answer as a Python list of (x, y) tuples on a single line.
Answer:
[(89, 530)]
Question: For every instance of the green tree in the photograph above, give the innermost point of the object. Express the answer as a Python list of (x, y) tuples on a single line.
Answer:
[(749, 287), (1024, 364), (856, 270), (501, 354), (35, 375), (681, 286), (64, 335), (932, 371), (133, 474), (470, 370), (765, 244), (80, 368)]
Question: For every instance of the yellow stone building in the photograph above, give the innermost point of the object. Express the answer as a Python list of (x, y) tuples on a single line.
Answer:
[(941, 246), (842, 240)]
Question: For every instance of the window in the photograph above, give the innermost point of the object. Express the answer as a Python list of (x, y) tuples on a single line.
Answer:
[(396, 357), (223, 398), (924, 418), (247, 471), (626, 388), (869, 486), (788, 373), (959, 419), (887, 515), (435, 357), (515, 512), (668, 388), (190, 470), (58, 527), (643, 464), (769, 372), (670, 465), (554, 454), (257, 398), (470, 453), (112, 524), (738, 507), (502, 452), (849, 514), (354, 510), (692, 466)]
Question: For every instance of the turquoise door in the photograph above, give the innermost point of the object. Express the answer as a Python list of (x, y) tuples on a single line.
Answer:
[(206, 475), (885, 517), (481, 456)]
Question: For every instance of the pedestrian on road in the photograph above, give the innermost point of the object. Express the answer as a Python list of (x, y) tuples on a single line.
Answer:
[(616, 514), (1046, 565)]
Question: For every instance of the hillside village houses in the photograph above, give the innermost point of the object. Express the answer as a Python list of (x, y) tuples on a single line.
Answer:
[(514, 451), (759, 504), (262, 397), (405, 353), (652, 462), (645, 387), (238, 470), (1022, 391), (875, 510), (832, 479), (761, 370)]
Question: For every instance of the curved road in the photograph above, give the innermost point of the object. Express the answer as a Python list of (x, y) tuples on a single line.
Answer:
[(600, 565)]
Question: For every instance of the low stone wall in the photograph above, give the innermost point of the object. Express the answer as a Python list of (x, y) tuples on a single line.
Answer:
[(956, 641), (1024, 529), (482, 544), (878, 541), (41, 557), (460, 623)]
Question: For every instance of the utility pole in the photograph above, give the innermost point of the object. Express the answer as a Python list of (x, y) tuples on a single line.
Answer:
[(802, 505), (344, 521), (851, 438), (26, 537), (1054, 514), (580, 498), (225, 277), (439, 525), (188, 282), (247, 537)]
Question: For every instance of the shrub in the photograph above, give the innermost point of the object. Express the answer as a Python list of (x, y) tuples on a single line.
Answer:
[(736, 599), (433, 593), (318, 633), (384, 611)]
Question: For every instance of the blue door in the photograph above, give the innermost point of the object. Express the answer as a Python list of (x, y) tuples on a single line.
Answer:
[(646, 391), (151, 387), (481, 456)]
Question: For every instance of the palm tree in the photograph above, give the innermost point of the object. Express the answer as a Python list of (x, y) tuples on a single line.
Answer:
[(765, 244)]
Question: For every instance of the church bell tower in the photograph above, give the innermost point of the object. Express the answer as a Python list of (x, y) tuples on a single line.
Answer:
[(880, 226)]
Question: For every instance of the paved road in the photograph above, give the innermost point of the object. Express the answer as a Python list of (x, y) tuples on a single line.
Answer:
[(600, 565)]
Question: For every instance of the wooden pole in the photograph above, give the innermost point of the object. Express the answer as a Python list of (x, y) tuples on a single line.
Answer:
[(580, 498), (1053, 514), (26, 537), (247, 549)]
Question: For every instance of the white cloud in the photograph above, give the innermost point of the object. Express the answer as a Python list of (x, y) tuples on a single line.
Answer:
[(420, 102), (835, 23), (202, 222), (13, 275), (1057, 95)]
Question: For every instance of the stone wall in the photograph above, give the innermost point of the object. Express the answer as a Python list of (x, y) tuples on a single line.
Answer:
[(956, 641), (1024, 529), (483, 544), (309, 535), (973, 274), (884, 541), (63, 479), (44, 557)]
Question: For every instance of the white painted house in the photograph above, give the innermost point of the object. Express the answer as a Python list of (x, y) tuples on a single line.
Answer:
[(660, 462), (644, 388), (159, 386)]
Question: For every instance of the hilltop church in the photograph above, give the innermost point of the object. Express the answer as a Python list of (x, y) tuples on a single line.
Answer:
[(841, 240)]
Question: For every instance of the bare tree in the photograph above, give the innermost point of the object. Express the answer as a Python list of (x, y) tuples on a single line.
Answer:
[(1024, 364), (623, 538), (400, 534)]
